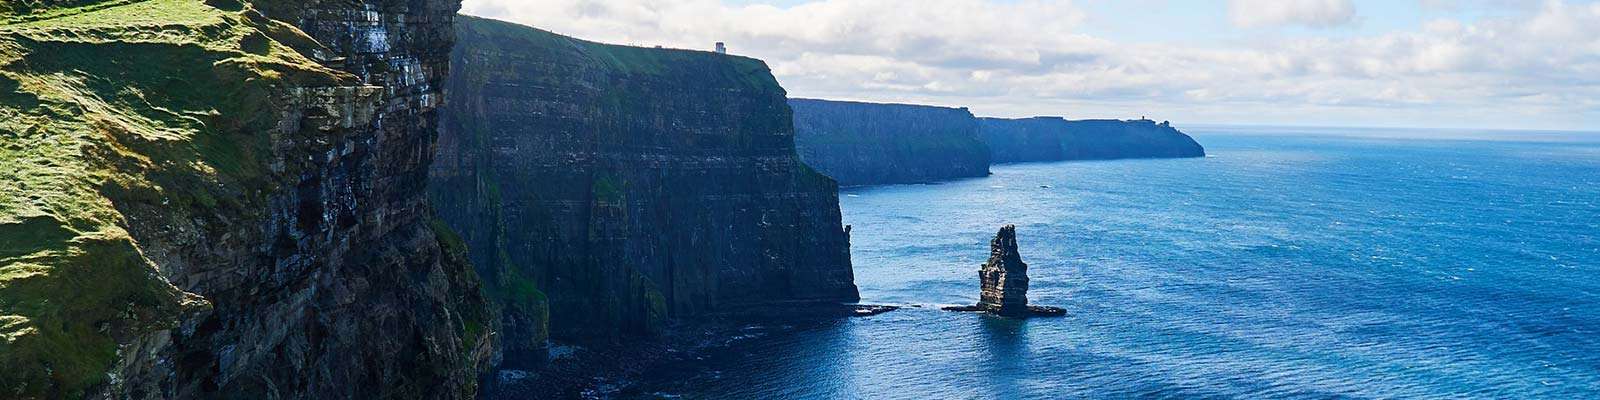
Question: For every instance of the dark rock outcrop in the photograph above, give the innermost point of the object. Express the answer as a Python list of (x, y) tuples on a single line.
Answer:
[(1004, 278), (223, 198), (871, 144), (1058, 139), (613, 187)]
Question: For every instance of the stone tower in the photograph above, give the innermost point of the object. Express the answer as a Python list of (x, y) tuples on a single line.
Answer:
[(1004, 277)]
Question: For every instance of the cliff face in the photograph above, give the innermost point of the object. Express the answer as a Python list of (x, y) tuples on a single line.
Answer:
[(870, 144), (1057, 139), (225, 199), (613, 187)]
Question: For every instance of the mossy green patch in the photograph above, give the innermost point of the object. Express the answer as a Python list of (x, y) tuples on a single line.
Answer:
[(164, 103), (654, 315), (473, 320), (471, 329), (448, 239), (65, 313), (13, 11), (518, 291), (608, 189)]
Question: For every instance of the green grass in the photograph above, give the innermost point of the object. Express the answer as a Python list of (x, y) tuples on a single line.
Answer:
[(710, 67), (14, 11), (104, 105), (607, 189), (519, 291), (448, 239)]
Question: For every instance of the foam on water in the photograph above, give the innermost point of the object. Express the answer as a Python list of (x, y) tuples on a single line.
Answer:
[(1301, 267)]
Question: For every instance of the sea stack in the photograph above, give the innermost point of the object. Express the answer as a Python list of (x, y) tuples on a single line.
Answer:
[(1004, 277)]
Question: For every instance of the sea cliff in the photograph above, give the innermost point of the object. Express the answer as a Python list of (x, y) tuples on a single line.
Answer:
[(205, 199), (872, 144), (1059, 139), (604, 190)]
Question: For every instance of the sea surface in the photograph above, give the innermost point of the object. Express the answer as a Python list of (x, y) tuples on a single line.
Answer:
[(1291, 263)]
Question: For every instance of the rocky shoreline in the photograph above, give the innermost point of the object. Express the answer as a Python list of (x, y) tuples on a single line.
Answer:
[(1033, 311), (613, 371)]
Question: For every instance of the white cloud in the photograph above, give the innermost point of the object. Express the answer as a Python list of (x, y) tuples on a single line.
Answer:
[(1534, 68), (1310, 13)]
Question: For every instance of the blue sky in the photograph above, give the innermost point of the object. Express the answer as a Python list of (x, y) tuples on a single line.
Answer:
[(1406, 63)]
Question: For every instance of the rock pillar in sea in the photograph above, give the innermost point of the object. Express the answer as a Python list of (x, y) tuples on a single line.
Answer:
[(1004, 277)]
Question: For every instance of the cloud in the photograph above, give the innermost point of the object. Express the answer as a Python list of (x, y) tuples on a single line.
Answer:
[(1536, 67), (1309, 13), (973, 33)]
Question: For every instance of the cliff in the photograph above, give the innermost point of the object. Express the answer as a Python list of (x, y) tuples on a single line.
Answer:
[(1057, 139), (870, 144), (610, 188), (204, 199)]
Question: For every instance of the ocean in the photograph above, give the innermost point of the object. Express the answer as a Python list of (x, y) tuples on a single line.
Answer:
[(1290, 263)]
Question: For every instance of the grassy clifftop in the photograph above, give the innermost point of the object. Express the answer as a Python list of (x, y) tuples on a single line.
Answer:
[(107, 104), (27, 10), (714, 69)]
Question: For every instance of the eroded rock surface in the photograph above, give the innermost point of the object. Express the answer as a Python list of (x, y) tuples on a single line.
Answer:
[(1004, 277), (222, 198), (1003, 280), (604, 190)]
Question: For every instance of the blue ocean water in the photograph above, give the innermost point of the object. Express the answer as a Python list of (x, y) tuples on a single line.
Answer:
[(1283, 266)]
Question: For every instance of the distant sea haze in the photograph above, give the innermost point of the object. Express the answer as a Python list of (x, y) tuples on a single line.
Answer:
[(1498, 135), (1285, 265)]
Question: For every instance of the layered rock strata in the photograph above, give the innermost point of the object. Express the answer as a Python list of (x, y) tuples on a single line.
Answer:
[(1003, 281), (872, 144), (1004, 278), (225, 199), (603, 190), (1058, 139)]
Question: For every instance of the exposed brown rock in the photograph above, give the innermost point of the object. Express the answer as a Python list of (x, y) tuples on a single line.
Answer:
[(1004, 277)]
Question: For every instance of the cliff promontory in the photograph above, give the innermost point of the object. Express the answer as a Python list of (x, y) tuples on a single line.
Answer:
[(871, 144), (224, 199), (604, 189), (1058, 139)]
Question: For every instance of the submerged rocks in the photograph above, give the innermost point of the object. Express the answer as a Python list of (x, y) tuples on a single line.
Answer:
[(868, 310), (1004, 279)]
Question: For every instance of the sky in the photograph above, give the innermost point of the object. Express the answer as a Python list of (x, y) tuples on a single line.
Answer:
[(1475, 64)]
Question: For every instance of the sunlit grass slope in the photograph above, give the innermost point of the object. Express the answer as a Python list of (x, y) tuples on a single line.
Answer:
[(106, 104)]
